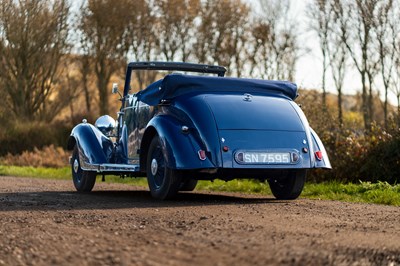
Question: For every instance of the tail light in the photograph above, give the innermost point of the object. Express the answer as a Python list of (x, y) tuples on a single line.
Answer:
[(318, 155), (202, 155)]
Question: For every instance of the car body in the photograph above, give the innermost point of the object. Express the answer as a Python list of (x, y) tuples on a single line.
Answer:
[(183, 128)]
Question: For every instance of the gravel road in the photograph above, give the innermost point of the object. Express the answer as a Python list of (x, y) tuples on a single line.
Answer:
[(45, 222)]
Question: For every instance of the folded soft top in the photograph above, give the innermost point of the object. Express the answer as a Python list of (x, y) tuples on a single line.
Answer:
[(175, 85)]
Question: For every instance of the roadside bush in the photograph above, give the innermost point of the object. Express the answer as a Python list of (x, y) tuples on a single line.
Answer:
[(355, 154), (49, 156), (382, 162), (358, 155), (26, 136)]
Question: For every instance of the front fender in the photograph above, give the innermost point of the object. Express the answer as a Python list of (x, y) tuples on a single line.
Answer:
[(181, 148), (318, 146), (94, 147)]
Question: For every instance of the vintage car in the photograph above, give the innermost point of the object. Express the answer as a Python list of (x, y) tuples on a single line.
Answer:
[(184, 128)]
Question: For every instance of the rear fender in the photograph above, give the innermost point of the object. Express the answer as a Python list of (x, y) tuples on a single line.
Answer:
[(315, 140), (318, 146), (94, 148), (181, 147)]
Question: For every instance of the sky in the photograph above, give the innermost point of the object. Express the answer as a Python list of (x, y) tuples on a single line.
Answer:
[(309, 66)]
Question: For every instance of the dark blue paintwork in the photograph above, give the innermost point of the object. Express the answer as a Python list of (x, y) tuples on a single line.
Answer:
[(259, 113), (181, 147), (191, 113), (95, 148)]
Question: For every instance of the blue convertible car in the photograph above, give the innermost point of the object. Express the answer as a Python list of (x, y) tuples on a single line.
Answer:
[(184, 128)]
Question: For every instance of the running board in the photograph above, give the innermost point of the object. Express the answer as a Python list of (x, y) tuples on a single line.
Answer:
[(109, 167)]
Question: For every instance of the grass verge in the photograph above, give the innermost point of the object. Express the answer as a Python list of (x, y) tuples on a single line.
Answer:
[(377, 193)]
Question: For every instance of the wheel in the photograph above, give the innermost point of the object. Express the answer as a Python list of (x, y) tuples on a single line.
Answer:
[(188, 185), (83, 180), (289, 187), (164, 183)]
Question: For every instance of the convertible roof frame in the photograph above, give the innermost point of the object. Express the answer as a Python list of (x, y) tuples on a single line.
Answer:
[(171, 66)]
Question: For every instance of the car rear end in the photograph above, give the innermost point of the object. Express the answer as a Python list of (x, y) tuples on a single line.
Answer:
[(259, 132), (256, 134)]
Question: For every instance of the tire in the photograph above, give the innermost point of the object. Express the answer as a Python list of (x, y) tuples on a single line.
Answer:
[(289, 187), (164, 183), (188, 185), (83, 180)]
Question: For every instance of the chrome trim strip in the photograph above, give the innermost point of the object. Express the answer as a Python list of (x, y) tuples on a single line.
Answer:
[(108, 167)]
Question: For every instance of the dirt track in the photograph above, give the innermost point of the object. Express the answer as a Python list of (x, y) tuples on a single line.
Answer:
[(46, 222)]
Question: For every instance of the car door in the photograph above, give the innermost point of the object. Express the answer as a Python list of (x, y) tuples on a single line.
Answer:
[(144, 113), (129, 128), (136, 116)]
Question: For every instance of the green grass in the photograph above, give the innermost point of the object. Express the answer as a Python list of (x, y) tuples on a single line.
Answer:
[(237, 185), (39, 172), (378, 193), (61, 174)]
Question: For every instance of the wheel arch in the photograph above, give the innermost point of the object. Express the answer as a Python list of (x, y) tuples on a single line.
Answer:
[(319, 146), (94, 147), (182, 148), (149, 134), (71, 143)]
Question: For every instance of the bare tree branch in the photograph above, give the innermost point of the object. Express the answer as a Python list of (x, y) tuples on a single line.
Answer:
[(33, 37)]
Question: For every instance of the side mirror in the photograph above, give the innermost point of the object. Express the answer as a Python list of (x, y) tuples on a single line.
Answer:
[(114, 88)]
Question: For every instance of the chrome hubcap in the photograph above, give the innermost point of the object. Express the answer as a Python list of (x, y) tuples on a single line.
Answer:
[(76, 166), (154, 167)]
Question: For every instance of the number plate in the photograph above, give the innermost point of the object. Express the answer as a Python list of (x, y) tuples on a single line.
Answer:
[(246, 157)]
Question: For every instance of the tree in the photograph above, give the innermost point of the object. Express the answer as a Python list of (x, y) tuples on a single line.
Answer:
[(71, 83), (142, 36), (387, 30), (359, 43), (237, 39), (85, 68), (395, 88), (175, 27), (220, 35), (275, 50), (337, 50), (320, 13), (33, 40), (104, 36), (84, 63)]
